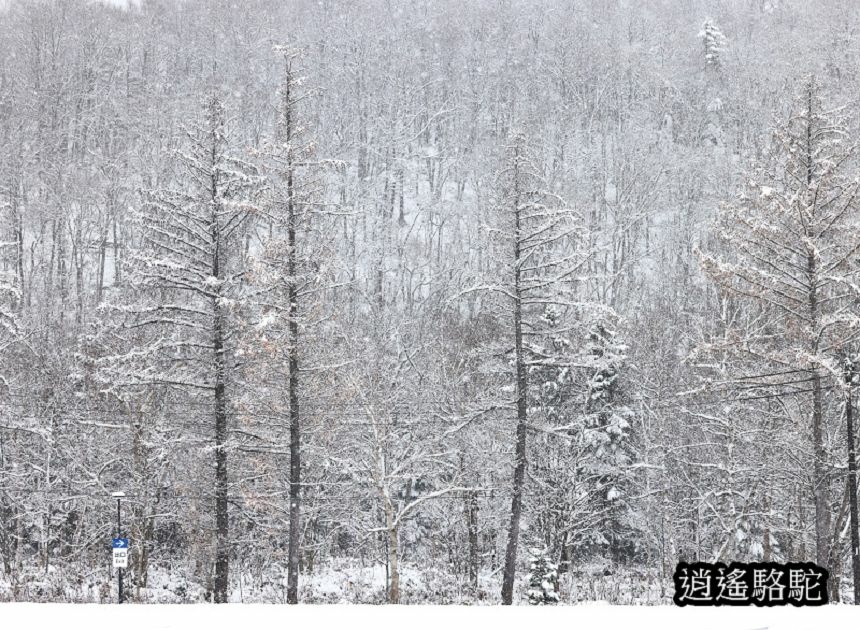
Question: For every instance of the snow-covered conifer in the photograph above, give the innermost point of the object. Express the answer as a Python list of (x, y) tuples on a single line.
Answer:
[(185, 290), (714, 43), (786, 252), (542, 579)]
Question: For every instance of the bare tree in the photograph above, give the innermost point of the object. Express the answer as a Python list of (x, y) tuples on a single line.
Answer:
[(536, 241), (186, 283), (789, 244)]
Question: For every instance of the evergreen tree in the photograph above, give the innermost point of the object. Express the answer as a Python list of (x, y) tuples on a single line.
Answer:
[(543, 579), (609, 431), (714, 43), (585, 465)]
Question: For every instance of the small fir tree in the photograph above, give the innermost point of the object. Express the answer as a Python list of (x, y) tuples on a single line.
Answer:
[(714, 42), (543, 579)]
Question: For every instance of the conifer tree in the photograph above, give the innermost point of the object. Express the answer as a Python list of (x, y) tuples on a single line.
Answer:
[(714, 43), (543, 579), (610, 431), (536, 242), (290, 274), (185, 288), (786, 250)]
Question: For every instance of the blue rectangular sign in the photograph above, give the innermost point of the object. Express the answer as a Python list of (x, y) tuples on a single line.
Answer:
[(120, 543)]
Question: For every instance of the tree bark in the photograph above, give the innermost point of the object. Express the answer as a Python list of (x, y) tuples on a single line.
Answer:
[(19, 256), (522, 388), (820, 479), (394, 568), (392, 551), (852, 496), (222, 551), (293, 552), (222, 534), (472, 525), (295, 438), (820, 485)]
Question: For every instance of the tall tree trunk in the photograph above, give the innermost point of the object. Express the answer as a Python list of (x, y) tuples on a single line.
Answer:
[(835, 562), (820, 486), (394, 568), (767, 548), (142, 526), (19, 254), (222, 543), (472, 526), (222, 538), (117, 258), (295, 441), (7, 517), (100, 273), (78, 258), (393, 555), (287, 133), (522, 389), (852, 496), (62, 280)]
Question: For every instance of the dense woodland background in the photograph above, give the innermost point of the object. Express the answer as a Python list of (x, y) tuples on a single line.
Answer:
[(325, 286)]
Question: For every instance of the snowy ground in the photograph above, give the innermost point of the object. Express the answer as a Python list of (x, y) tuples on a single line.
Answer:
[(339, 582), (343, 584)]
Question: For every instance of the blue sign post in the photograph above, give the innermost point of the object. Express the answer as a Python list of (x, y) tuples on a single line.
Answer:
[(120, 547)]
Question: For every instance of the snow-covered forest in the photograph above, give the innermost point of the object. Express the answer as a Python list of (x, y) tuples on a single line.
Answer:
[(499, 301)]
